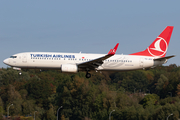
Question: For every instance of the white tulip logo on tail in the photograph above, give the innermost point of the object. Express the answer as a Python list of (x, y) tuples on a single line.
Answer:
[(159, 47)]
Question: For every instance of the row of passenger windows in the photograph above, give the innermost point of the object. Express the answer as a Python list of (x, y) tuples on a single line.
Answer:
[(119, 60), (46, 58), (80, 59)]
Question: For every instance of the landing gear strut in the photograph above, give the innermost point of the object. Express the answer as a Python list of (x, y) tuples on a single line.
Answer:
[(88, 75)]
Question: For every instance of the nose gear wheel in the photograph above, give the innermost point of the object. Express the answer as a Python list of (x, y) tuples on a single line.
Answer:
[(88, 75)]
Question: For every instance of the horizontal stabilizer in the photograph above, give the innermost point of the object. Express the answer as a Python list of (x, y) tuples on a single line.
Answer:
[(162, 58)]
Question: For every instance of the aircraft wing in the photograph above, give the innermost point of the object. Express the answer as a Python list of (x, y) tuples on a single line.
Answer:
[(92, 64)]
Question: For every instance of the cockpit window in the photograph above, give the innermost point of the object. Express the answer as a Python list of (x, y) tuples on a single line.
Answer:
[(13, 56)]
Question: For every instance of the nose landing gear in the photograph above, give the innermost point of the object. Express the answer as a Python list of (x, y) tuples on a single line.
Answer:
[(88, 75), (20, 73)]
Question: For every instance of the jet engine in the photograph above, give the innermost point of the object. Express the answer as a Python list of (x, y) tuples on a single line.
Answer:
[(69, 68)]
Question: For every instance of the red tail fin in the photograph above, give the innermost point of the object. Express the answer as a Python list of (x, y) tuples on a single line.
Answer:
[(159, 46)]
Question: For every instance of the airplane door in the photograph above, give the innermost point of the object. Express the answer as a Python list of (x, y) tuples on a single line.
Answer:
[(24, 58), (141, 62)]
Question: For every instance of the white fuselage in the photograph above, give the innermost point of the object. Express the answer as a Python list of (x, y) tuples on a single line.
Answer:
[(50, 60)]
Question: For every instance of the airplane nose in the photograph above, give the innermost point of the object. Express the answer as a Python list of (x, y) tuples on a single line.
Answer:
[(6, 61)]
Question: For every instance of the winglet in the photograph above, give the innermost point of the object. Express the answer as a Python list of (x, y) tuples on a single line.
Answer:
[(113, 51)]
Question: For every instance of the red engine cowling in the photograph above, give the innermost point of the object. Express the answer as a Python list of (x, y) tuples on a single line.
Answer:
[(69, 68)]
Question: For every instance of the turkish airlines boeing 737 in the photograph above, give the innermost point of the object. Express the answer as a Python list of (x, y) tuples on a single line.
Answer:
[(73, 62)]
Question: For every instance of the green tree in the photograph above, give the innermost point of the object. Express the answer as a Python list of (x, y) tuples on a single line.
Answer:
[(51, 114), (28, 106), (40, 90), (149, 100), (1, 108)]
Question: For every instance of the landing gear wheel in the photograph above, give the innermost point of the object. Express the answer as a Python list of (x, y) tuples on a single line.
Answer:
[(88, 75)]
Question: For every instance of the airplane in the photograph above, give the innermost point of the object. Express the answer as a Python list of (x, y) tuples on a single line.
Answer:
[(153, 56)]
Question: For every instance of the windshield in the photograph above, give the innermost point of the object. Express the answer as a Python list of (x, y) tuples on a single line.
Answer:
[(13, 56)]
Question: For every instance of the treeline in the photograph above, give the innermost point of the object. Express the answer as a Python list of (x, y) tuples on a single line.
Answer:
[(135, 95)]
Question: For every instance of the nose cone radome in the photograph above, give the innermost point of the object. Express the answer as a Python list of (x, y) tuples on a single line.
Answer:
[(6, 61)]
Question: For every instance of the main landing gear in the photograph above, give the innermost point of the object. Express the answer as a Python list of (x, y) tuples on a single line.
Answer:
[(88, 75)]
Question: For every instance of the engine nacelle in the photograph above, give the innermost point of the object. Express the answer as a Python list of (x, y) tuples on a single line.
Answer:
[(69, 68), (16, 68)]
